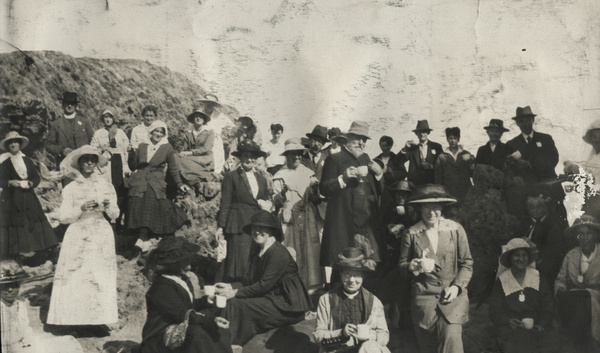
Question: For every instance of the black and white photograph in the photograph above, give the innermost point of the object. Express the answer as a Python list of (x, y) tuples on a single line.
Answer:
[(291, 176)]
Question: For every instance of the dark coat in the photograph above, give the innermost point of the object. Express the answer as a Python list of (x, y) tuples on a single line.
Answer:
[(453, 266), (167, 303), (317, 166), (151, 173), (540, 152), (496, 159), (351, 210), (275, 276), (237, 203), (455, 175), (417, 173), (60, 135), (25, 226)]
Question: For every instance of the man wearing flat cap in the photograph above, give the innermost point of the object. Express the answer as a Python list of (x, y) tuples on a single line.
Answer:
[(535, 147), (70, 131), (351, 184), (421, 156)]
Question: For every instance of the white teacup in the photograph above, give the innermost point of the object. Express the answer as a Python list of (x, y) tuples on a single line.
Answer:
[(466, 156), (428, 265), (400, 210), (363, 170), (362, 332), (527, 323), (221, 301), (209, 290), (24, 184)]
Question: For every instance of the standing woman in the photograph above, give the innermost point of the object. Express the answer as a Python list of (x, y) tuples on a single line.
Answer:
[(244, 192), (435, 255), (149, 209), (23, 224), (113, 144), (296, 191), (197, 151), (85, 282)]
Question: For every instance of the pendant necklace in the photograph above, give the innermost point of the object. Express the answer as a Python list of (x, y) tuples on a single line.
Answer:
[(521, 296)]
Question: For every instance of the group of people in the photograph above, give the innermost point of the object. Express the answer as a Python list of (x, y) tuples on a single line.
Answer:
[(300, 215)]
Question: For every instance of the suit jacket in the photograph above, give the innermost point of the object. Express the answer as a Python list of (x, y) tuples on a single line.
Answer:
[(453, 266), (351, 210), (151, 173), (540, 152), (548, 239), (317, 166), (417, 173), (274, 275), (60, 135), (455, 175), (496, 159), (237, 203)]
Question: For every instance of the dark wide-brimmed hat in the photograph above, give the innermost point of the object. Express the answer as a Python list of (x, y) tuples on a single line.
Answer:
[(357, 257), (496, 124), (359, 128), (515, 244), (431, 193), (585, 220), (174, 249), (200, 111), (402, 185), (524, 113), (319, 133), (248, 145), (69, 97), (422, 125), (13, 135), (74, 156), (265, 219), (293, 144), (11, 271)]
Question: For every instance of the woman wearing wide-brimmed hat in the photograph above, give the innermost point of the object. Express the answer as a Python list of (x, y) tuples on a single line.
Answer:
[(196, 154), (244, 192), (149, 209), (17, 335), (23, 225), (113, 144), (271, 295), (246, 130), (341, 310), (85, 281), (435, 255), (577, 286), (171, 296), (296, 190)]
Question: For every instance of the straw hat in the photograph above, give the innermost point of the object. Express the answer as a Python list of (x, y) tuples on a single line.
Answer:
[(265, 219), (13, 135), (357, 257), (157, 124), (585, 220), (431, 193), (293, 144), (83, 150), (10, 272), (515, 244)]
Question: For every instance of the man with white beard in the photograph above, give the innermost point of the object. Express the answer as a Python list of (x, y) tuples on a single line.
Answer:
[(350, 183)]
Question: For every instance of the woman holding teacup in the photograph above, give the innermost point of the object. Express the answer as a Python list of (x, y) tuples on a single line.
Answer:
[(435, 255), (351, 316), (521, 304)]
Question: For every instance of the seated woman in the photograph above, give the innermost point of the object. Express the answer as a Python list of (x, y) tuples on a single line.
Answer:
[(342, 310), (17, 335), (197, 149), (171, 297), (577, 286), (272, 294), (521, 304)]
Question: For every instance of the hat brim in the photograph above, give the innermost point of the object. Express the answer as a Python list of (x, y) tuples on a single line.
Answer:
[(524, 116), (318, 137), (355, 134), (278, 232), (419, 130), (505, 257), (194, 114), (20, 277), (572, 230), (442, 200), (349, 267), (24, 142), (258, 154), (102, 161), (296, 149), (495, 127)]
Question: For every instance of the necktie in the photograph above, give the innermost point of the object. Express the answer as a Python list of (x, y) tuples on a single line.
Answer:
[(528, 139), (531, 229)]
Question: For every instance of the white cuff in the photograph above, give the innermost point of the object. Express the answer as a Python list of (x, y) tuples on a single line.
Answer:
[(341, 181)]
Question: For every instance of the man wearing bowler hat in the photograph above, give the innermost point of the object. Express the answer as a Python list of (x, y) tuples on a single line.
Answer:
[(421, 156), (350, 183), (314, 157), (68, 132), (495, 152), (535, 147)]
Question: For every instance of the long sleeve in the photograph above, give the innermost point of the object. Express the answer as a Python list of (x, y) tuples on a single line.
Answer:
[(52, 140), (165, 300), (464, 259), (173, 168), (32, 173), (497, 312), (379, 329), (110, 194), (275, 267), (322, 331), (226, 198), (89, 130), (69, 212), (561, 282), (4, 177), (329, 180), (204, 143), (406, 254), (395, 170)]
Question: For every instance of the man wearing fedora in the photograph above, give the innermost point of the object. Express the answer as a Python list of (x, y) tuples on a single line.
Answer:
[(535, 147), (421, 156), (70, 131), (314, 157), (495, 152), (351, 184)]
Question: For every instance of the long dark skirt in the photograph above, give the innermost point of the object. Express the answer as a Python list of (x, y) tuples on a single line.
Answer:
[(235, 265), (197, 340), (161, 216), (250, 316), (527, 341)]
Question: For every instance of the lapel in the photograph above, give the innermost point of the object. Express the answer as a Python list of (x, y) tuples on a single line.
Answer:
[(12, 171), (445, 241), (422, 242), (143, 153), (158, 155), (417, 154), (246, 183), (62, 125)]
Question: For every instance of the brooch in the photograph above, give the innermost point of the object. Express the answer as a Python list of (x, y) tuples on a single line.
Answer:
[(521, 297), (580, 278), (79, 122), (539, 144), (433, 152)]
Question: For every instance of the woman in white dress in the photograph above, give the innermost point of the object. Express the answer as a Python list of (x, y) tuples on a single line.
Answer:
[(85, 282)]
